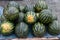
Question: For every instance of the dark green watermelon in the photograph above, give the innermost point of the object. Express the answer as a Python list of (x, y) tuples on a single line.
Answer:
[(46, 16), (37, 15), (54, 28), (21, 30), (24, 8), (11, 13), (38, 29), (21, 16), (40, 5)]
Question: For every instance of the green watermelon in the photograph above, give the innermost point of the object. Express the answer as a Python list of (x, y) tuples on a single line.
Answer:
[(55, 17), (38, 29), (30, 17), (37, 15), (46, 16), (13, 4), (6, 28), (11, 13), (21, 30), (54, 28), (23, 9), (40, 5), (21, 16)]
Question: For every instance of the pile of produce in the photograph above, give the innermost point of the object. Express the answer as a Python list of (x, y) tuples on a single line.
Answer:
[(16, 19)]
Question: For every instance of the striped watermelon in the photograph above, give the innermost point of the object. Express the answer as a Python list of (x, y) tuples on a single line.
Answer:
[(21, 30), (38, 29), (30, 17), (45, 16), (54, 28), (23, 9), (40, 5)]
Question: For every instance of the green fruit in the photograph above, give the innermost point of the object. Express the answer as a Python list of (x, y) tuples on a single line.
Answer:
[(23, 8), (45, 16), (11, 13), (54, 17), (13, 4), (37, 14), (38, 29), (54, 28), (2, 18), (40, 5), (21, 30), (6, 28), (30, 17), (21, 16)]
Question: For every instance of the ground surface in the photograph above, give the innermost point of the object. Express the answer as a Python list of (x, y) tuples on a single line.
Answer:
[(54, 5)]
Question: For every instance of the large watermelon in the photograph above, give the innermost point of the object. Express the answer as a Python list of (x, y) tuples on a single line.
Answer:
[(40, 5), (11, 13), (30, 17), (6, 28), (21, 30), (54, 28), (46, 16), (38, 29)]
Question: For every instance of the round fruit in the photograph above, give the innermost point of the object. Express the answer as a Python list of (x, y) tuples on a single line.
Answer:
[(21, 30), (6, 28), (38, 29), (30, 17), (37, 14), (45, 16), (54, 28), (11, 13), (13, 4), (23, 8), (21, 16), (2, 18), (54, 17), (40, 5)]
